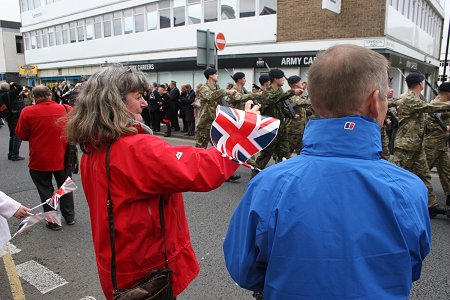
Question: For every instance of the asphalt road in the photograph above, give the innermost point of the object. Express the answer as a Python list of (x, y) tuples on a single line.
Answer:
[(61, 265)]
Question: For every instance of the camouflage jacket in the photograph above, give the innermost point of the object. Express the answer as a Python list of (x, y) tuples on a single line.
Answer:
[(210, 97), (411, 120), (238, 100), (297, 126), (435, 137), (271, 102)]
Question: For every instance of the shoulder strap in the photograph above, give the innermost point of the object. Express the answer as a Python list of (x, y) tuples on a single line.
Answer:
[(111, 223)]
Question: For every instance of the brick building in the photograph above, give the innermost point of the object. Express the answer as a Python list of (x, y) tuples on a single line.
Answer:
[(66, 41)]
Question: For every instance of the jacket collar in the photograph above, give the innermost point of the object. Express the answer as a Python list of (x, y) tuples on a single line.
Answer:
[(354, 136)]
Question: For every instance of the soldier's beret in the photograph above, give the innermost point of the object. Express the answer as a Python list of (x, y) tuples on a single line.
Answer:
[(238, 75), (263, 78), (444, 87), (276, 73), (209, 71), (293, 79), (415, 77)]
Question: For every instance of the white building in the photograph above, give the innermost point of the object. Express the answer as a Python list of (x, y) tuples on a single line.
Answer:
[(67, 39), (11, 52)]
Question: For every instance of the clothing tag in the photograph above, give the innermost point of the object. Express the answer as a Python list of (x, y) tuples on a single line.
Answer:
[(349, 125), (179, 154)]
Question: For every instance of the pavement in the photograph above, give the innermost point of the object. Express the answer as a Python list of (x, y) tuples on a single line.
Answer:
[(178, 134)]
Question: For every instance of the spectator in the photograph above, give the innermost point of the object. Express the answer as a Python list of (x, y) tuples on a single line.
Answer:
[(11, 93), (336, 222), (153, 169), (40, 125), (8, 208), (188, 110), (155, 104), (172, 109)]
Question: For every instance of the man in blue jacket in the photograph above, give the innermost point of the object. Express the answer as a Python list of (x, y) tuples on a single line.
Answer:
[(336, 222)]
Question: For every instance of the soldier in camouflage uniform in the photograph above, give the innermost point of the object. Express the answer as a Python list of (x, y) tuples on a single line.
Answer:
[(271, 106), (296, 126), (210, 96), (435, 142), (409, 152), (241, 96)]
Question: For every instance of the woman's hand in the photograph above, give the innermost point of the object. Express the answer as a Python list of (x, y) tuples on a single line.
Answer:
[(248, 107), (22, 212)]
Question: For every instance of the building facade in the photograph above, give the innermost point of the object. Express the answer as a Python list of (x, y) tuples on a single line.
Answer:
[(66, 41), (11, 52)]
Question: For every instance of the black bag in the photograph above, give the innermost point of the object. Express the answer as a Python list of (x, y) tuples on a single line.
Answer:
[(156, 285), (71, 158), (71, 155)]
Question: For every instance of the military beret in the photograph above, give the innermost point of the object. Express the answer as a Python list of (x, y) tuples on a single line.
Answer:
[(444, 87), (293, 79), (415, 77), (209, 71), (238, 75), (263, 79), (276, 73)]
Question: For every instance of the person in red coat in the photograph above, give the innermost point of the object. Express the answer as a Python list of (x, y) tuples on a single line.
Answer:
[(143, 168), (43, 126)]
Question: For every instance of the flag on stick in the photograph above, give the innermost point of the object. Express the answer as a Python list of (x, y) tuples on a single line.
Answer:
[(240, 135), (67, 187), (51, 216)]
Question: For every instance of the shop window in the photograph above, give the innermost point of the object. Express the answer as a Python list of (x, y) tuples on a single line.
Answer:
[(58, 32), (45, 38), (139, 19), (65, 34), (73, 32), (89, 29), (80, 30), (98, 27), (19, 44), (107, 22), (51, 36), (128, 21), (164, 14), (117, 23), (152, 17)]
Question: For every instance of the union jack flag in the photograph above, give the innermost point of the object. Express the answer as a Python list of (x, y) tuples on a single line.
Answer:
[(51, 216), (67, 187), (239, 134)]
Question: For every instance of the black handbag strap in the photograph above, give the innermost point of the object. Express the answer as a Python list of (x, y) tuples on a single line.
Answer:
[(111, 224)]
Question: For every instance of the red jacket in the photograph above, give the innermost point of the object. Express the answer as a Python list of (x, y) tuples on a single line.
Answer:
[(143, 167), (40, 125)]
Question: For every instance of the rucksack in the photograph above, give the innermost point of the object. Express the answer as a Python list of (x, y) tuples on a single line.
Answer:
[(4, 105)]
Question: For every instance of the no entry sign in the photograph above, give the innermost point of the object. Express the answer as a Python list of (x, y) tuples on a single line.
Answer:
[(220, 41)]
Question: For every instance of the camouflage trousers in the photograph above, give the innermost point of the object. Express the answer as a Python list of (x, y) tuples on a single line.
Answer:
[(440, 160), (203, 132), (416, 162), (279, 148), (295, 142)]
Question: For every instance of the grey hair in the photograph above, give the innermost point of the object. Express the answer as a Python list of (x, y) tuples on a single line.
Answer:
[(100, 115), (343, 76)]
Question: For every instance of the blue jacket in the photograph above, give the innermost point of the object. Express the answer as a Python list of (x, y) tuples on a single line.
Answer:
[(336, 222)]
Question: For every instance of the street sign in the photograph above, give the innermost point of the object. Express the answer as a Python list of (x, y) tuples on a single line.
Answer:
[(220, 41), (28, 70), (332, 5), (206, 49)]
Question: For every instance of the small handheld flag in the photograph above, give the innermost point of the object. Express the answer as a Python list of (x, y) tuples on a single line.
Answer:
[(240, 135)]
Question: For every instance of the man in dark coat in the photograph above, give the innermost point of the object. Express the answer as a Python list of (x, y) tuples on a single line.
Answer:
[(188, 109), (172, 112)]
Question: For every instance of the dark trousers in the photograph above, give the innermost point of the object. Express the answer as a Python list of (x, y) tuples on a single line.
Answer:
[(14, 140), (155, 117), (190, 127), (43, 182)]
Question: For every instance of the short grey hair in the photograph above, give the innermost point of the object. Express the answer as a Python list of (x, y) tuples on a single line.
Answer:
[(343, 76)]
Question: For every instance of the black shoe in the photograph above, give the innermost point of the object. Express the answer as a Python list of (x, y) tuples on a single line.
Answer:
[(70, 221), (233, 178), (447, 202), (17, 158), (53, 226), (436, 210), (167, 134), (9, 157)]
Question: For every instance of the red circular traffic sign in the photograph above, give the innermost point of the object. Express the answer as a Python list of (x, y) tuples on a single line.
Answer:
[(220, 41)]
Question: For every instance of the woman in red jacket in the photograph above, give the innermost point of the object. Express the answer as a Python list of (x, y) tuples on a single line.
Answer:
[(143, 168)]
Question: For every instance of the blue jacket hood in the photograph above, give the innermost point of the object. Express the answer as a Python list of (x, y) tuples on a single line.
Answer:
[(354, 136)]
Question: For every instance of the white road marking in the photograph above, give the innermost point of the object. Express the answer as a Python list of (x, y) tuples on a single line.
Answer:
[(12, 249), (88, 298), (39, 276)]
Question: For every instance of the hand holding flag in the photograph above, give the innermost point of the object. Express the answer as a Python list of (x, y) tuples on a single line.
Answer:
[(67, 187), (241, 134), (52, 216)]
